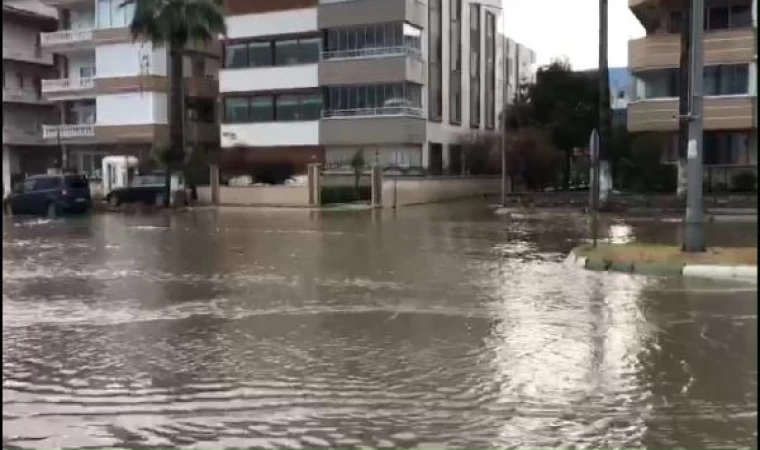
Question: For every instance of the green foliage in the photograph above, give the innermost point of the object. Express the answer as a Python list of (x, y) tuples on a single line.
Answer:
[(642, 167), (744, 182), (177, 22), (532, 158), (481, 154)]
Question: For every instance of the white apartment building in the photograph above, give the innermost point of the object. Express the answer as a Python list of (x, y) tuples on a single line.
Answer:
[(402, 81), (520, 67), (24, 109), (111, 92)]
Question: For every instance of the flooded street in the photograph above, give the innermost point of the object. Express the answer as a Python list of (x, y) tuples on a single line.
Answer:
[(430, 327)]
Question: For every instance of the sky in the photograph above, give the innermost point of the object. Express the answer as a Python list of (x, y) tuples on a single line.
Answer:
[(570, 28)]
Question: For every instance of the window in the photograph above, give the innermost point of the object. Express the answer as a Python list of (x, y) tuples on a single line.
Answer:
[(726, 80), (475, 66), (259, 54), (455, 74), (675, 21), (87, 72), (365, 99), (724, 147), (287, 107), (717, 18), (267, 53), (236, 109), (490, 70), (236, 56), (200, 110), (311, 106), (741, 16), (435, 57), (262, 109)]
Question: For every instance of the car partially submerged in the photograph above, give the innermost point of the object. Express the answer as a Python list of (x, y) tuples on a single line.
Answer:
[(50, 195), (149, 189)]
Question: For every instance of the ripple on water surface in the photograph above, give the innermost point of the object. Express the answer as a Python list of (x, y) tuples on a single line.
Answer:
[(418, 331)]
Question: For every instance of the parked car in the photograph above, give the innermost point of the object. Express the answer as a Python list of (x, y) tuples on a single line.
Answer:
[(50, 195), (148, 189)]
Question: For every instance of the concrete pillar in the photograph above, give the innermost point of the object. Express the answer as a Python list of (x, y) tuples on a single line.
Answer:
[(314, 182), (446, 157), (214, 180), (426, 155), (6, 171), (376, 181)]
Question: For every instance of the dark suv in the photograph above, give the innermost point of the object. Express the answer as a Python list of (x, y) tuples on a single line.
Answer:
[(50, 195)]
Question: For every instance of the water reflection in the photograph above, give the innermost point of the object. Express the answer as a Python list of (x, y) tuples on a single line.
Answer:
[(424, 327)]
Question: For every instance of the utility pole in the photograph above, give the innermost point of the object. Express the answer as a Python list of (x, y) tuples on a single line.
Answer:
[(605, 175), (695, 236), (684, 97)]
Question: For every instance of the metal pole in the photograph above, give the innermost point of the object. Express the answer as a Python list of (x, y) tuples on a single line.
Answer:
[(684, 94), (695, 239), (604, 104), (503, 169)]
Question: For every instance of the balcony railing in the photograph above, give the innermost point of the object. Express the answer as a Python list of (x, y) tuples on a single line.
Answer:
[(373, 112), (67, 85), (20, 95), (66, 37), (68, 131), (371, 53)]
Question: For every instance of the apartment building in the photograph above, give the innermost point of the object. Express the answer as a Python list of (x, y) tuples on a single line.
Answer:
[(730, 81), (401, 81), (519, 67), (24, 109), (111, 92)]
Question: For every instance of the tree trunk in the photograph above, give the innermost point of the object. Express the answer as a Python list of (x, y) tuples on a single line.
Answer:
[(605, 176), (176, 118)]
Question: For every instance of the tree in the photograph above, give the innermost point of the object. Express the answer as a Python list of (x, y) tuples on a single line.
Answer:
[(357, 164), (532, 158), (561, 102), (176, 24), (481, 154)]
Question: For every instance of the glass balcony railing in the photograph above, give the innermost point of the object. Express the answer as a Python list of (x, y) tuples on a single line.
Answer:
[(375, 52)]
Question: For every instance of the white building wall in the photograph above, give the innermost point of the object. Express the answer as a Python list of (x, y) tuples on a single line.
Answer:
[(270, 134), (130, 59), (81, 64), (140, 108), (273, 23), (269, 78)]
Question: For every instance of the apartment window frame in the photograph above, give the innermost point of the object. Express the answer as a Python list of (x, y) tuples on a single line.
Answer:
[(269, 49), (455, 66), (475, 72), (371, 40), (265, 107), (720, 80), (490, 63), (373, 97), (435, 61)]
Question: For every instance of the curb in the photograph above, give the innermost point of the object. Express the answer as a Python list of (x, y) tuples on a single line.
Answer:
[(746, 274)]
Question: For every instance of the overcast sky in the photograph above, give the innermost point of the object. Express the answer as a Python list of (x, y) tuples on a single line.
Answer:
[(570, 28)]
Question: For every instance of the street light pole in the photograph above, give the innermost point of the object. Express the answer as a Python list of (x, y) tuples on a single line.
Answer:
[(694, 236)]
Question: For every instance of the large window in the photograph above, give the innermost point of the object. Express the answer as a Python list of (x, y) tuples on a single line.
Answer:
[(273, 108), (490, 70), (725, 147), (726, 80), (716, 18), (455, 66), (475, 66), (374, 99), (267, 53), (718, 80), (435, 58), (372, 40)]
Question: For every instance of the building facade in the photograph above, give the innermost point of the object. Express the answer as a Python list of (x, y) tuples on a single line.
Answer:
[(111, 92), (730, 82), (399, 81), (24, 108), (519, 67)]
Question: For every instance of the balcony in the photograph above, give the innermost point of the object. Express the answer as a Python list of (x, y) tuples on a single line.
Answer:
[(720, 113), (386, 125), (369, 66), (720, 47), (64, 40), (350, 13), (67, 88), (17, 95), (68, 131)]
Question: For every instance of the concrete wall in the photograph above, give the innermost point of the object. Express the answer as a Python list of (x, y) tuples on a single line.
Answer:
[(413, 191), (257, 195)]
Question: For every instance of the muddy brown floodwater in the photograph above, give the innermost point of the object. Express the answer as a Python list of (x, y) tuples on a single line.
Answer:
[(432, 327)]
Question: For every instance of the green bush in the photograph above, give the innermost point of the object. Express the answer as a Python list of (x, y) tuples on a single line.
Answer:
[(345, 194), (744, 182)]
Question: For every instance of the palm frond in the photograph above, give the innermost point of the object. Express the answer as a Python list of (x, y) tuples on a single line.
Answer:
[(177, 22)]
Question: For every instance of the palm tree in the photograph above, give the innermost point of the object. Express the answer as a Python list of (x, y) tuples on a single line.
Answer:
[(176, 24)]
